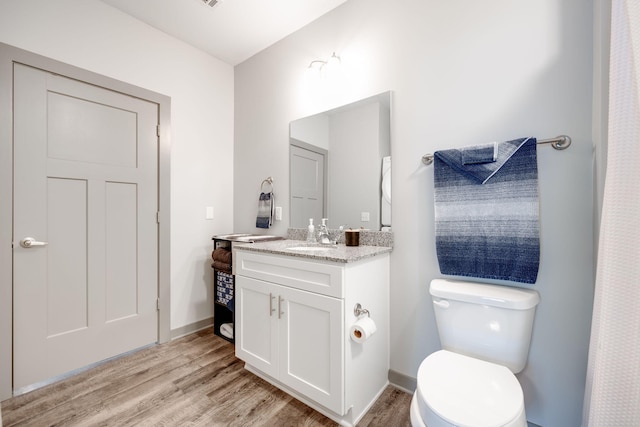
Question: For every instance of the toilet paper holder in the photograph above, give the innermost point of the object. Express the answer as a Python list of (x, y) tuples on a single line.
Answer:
[(359, 311)]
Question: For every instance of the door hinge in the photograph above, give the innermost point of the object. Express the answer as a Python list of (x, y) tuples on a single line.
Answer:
[(158, 217), (158, 304), (158, 131)]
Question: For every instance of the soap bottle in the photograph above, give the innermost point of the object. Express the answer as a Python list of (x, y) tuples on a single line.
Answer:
[(311, 236)]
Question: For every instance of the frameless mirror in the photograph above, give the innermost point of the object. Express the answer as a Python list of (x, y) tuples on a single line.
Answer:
[(340, 166)]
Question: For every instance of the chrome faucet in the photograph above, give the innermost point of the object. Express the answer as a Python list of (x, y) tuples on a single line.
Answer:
[(323, 234)]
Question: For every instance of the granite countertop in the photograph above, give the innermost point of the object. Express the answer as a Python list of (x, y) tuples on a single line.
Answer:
[(337, 253)]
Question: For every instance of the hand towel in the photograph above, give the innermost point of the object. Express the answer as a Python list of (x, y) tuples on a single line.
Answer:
[(265, 210), (226, 329), (221, 266), (486, 153), (487, 215), (221, 254)]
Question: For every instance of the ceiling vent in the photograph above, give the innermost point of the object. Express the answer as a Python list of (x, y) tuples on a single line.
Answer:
[(210, 2)]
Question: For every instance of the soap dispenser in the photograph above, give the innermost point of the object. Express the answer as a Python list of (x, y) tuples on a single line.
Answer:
[(311, 236)]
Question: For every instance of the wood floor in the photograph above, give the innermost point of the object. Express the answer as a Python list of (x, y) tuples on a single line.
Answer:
[(192, 381)]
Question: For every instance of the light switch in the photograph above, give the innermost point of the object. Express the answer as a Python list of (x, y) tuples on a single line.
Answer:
[(278, 213), (209, 214), (364, 216)]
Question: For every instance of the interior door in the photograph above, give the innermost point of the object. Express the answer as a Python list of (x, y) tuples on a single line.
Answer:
[(307, 186), (86, 193)]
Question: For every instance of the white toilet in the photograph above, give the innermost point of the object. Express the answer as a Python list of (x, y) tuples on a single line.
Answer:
[(485, 332)]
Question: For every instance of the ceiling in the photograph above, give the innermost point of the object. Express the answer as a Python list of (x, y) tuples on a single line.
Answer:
[(232, 30)]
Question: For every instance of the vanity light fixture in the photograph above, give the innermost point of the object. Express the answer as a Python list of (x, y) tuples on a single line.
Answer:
[(320, 67), (333, 61)]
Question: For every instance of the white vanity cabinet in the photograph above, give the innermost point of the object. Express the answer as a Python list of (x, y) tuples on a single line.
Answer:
[(293, 317), (293, 336)]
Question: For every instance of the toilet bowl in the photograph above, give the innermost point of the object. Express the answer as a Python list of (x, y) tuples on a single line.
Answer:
[(455, 390)]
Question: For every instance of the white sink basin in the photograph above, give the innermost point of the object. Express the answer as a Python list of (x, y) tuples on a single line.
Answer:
[(311, 248)]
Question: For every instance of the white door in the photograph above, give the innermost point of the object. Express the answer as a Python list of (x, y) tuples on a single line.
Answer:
[(307, 186), (312, 346), (256, 324), (86, 184)]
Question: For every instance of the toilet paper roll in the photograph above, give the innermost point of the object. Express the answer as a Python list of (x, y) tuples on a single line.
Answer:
[(362, 330)]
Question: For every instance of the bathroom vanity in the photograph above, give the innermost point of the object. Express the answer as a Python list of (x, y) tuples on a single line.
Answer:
[(294, 308)]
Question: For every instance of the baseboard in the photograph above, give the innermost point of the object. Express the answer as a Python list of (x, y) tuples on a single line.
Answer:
[(402, 381), (191, 328)]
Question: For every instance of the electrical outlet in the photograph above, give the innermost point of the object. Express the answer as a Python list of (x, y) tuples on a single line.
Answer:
[(364, 216), (209, 212), (278, 213)]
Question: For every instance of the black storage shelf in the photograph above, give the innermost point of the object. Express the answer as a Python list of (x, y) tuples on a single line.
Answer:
[(224, 281), (224, 294)]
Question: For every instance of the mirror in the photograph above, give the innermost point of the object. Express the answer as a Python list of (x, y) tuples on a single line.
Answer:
[(340, 166)]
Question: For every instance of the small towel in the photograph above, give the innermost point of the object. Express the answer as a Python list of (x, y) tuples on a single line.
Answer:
[(226, 329), (482, 172), (486, 153), (221, 266), (265, 210), (487, 215), (221, 254)]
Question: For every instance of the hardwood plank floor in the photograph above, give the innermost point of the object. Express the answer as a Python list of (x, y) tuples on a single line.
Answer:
[(193, 381)]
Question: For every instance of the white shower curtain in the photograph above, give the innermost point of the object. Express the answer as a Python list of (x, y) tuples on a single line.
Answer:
[(612, 397)]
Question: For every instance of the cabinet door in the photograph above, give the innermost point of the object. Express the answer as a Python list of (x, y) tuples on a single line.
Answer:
[(312, 346), (256, 324)]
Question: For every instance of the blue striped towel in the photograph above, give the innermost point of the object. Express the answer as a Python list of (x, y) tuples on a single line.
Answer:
[(487, 214), (264, 219)]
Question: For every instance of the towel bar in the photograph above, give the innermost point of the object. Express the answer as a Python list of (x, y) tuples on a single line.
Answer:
[(560, 142)]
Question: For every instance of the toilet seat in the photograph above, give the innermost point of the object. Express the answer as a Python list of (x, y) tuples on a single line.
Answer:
[(457, 390)]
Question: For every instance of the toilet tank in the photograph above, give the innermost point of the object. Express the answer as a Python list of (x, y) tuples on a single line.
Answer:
[(488, 322)]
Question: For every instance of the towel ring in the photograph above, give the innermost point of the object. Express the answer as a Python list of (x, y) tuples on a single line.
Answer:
[(268, 181)]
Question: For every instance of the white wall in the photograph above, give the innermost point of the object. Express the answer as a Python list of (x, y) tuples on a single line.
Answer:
[(96, 37), (461, 73), (312, 130)]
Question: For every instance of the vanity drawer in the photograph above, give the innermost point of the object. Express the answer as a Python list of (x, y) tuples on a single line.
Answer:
[(312, 276)]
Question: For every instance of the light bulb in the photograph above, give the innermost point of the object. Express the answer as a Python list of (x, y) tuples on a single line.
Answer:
[(333, 61), (332, 66), (314, 69)]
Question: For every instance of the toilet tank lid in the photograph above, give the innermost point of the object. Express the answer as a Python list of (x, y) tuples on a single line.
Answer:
[(481, 293)]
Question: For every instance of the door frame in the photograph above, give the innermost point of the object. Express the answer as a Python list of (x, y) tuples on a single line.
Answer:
[(8, 56), (293, 142)]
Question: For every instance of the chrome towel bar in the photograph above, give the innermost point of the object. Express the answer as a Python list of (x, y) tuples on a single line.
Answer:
[(561, 142)]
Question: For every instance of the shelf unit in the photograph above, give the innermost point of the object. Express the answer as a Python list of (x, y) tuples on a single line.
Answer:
[(224, 281), (224, 289)]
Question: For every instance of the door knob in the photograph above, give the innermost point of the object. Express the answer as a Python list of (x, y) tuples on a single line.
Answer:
[(29, 242)]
